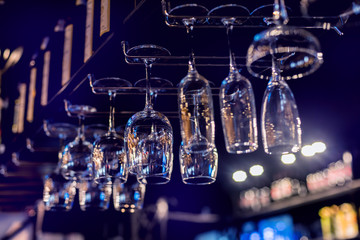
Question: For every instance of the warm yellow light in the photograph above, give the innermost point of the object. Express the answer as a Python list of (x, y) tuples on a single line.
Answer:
[(239, 176), (288, 158), (6, 54), (307, 151), (347, 157), (319, 147), (256, 170)]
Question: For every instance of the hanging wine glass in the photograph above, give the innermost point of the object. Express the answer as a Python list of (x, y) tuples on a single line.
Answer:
[(59, 193), (194, 93), (94, 196), (237, 100), (280, 121), (108, 156), (294, 53), (198, 168), (298, 48), (148, 133), (129, 196), (76, 161)]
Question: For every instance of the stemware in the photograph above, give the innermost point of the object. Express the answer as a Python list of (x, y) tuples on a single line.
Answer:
[(76, 161), (128, 196), (237, 100), (108, 156), (298, 48), (94, 196), (293, 53), (148, 133), (59, 193), (280, 121), (194, 94), (198, 168)]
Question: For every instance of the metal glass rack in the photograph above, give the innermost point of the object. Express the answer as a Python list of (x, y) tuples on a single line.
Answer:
[(309, 22)]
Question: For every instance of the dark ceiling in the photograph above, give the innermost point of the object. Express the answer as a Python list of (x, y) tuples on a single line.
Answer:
[(327, 100)]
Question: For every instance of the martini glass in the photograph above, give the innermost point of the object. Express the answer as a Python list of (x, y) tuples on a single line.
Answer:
[(237, 100), (109, 157), (194, 93), (148, 133), (299, 49), (76, 161)]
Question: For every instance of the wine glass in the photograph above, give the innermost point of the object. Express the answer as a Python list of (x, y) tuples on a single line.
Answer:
[(94, 196), (148, 133), (237, 100), (76, 161), (299, 49), (280, 121), (128, 196), (293, 53), (198, 168), (59, 193), (108, 156), (194, 94)]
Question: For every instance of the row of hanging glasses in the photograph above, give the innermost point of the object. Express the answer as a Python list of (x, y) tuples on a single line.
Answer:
[(146, 150), (74, 173)]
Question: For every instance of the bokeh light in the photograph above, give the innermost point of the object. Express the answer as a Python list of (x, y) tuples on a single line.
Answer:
[(288, 158), (308, 151), (256, 170), (239, 176)]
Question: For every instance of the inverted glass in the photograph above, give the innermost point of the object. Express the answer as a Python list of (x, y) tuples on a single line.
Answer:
[(237, 100), (198, 168), (76, 161), (108, 156), (148, 133)]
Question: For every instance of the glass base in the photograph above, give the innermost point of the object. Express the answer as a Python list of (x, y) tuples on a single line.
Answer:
[(109, 180), (199, 180), (103, 207), (239, 148), (282, 149), (59, 208), (153, 174)]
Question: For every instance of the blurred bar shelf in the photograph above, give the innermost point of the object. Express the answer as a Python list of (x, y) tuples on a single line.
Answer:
[(299, 201)]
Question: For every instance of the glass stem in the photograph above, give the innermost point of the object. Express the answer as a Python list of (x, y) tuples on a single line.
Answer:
[(81, 129), (280, 15), (189, 24), (149, 93), (229, 23), (112, 96)]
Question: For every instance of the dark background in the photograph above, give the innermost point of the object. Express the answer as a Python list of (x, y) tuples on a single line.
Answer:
[(328, 100)]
